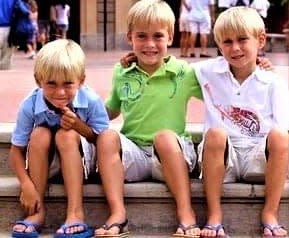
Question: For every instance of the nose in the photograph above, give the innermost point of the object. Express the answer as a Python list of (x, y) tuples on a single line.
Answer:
[(150, 42), (60, 91), (236, 45)]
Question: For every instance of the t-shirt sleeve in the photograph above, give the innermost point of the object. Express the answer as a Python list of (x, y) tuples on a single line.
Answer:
[(24, 124)]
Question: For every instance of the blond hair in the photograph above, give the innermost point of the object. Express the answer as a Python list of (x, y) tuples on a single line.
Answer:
[(61, 60), (147, 12), (241, 21)]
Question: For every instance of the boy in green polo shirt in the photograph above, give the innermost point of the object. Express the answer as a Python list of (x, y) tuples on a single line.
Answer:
[(152, 96)]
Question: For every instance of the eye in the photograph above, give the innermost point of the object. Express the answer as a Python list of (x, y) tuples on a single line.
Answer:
[(228, 41), (242, 38), (140, 35), (68, 84), (50, 83), (158, 35)]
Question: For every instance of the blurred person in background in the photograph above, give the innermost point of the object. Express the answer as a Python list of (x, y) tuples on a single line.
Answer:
[(202, 15), (21, 31), (6, 8), (62, 14), (184, 28), (31, 46)]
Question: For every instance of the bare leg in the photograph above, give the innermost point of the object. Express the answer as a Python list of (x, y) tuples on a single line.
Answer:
[(204, 43), (193, 43), (39, 146), (67, 143), (112, 176), (184, 43), (176, 175), (275, 177), (213, 175)]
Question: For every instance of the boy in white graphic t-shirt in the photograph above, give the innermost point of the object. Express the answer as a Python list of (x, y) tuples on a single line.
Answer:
[(246, 121)]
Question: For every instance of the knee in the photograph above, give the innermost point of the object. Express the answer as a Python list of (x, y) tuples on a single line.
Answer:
[(108, 141), (66, 139), (215, 138), (277, 141), (40, 138), (108, 137), (162, 139)]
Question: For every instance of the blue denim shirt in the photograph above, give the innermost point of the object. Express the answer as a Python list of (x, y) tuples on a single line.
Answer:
[(34, 111)]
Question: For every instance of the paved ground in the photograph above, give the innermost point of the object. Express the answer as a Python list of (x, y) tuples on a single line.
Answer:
[(17, 82)]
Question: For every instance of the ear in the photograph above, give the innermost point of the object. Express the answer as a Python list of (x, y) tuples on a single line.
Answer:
[(82, 79), (170, 39), (129, 37), (262, 40)]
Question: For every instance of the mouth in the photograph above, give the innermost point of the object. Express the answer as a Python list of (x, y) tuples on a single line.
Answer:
[(59, 102), (150, 53), (236, 57), (56, 107)]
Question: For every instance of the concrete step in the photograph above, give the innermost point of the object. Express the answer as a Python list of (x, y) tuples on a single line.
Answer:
[(150, 207)]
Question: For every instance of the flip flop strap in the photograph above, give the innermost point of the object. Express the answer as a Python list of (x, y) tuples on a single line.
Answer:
[(27, 224), (119, 225), (272, 227), (185, 228), (214, 227), (67, 226)]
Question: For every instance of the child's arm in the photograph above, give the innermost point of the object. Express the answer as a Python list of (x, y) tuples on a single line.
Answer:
[(29, 197), (112, 114), (70, 120), (265, 63), (188, 7)]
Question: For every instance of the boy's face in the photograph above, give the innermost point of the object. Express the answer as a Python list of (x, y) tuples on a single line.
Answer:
[(150, 45), (241, 50), (59, 93)]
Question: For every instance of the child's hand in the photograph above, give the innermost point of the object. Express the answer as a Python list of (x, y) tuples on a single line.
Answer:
[(68, 118), (265, 63), (128, 59), (30, 199)]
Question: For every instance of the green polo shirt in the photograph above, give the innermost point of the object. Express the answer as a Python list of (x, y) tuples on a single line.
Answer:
[(151, 103)]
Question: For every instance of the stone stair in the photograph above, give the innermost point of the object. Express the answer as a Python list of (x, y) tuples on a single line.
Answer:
[(151, 209)]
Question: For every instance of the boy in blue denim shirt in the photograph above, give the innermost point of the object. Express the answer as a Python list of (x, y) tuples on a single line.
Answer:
[(56, 128)]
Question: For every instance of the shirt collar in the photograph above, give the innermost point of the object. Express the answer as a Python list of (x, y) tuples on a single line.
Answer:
[(169, 65), (224, 67)]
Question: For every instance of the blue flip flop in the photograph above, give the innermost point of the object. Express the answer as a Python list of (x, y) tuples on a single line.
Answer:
[(85, 233), (32, 234)]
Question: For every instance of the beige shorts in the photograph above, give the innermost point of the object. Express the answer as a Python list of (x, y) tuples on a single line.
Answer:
[(184, 25), (141, 163), (204, 27), (88, 159), (244, 163)]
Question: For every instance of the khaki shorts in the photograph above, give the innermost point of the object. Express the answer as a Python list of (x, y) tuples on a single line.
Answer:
[(141, 163), (200, 27), (244, 163), (6, 51), (88, 159), (184, 25)]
